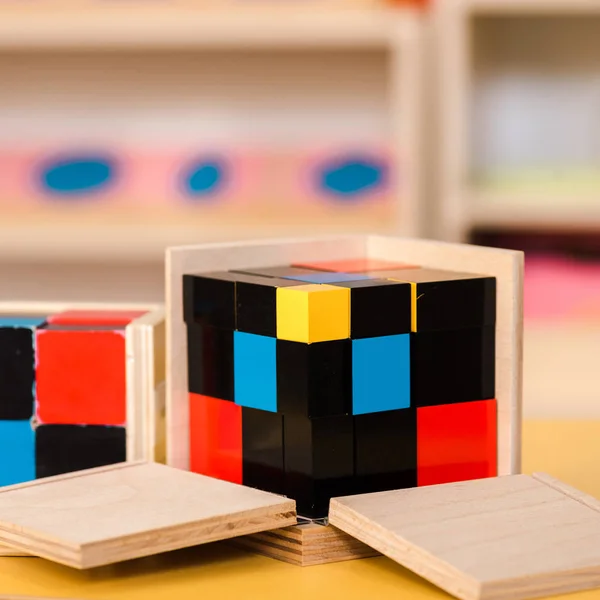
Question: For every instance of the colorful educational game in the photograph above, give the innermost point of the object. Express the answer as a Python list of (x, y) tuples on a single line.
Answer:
[(331, 379), (62, 392)]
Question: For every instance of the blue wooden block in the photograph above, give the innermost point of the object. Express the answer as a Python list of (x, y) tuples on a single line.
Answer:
[(17, 452), (326, 277), (255, 371), (21, 322), (380, 374)]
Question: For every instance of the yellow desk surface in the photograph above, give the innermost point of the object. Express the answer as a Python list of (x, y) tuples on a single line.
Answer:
[(567, 450)]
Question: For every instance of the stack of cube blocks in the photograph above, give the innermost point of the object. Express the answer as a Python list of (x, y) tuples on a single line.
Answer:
[(336, 378), (62, 393)]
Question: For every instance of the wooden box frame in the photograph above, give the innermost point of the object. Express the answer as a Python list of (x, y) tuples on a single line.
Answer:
[(505, 265)]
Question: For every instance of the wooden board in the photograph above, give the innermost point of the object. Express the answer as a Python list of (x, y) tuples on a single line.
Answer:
[(306, 545), (505, 265), (145, 351), (6, 551), (112, 514), (511, 537)]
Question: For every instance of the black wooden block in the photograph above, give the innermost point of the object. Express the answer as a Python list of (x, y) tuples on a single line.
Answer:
[(449, 300), (210, 361), (67, 448), (319, 461), (385, 450), (452, 366), (280, 271), (314, 380), (262, 450), (256, 303), (378, 307), (17, 373), (209, 299)]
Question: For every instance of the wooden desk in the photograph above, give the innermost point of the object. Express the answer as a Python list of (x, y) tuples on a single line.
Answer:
[(567, 450)]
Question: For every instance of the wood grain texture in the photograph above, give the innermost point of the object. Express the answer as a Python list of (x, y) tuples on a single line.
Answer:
[(306, 545), (507, 267), (511, 537), (146, 364), (111, 514)]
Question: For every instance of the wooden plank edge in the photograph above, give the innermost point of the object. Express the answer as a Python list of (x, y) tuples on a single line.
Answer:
[(567, 490), (542, 585), (295, 545), (8, 552), (150, 543)]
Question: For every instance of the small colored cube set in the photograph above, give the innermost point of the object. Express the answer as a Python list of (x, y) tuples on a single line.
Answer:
[(330, 379), (62, 392)]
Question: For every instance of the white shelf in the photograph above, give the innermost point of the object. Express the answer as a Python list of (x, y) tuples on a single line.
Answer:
[(110, 27), (472, 53), (518, 212), (128, 244), (538, 7)]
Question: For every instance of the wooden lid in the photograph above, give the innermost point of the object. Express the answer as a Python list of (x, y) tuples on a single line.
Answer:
[(510, 537), (112, 514)]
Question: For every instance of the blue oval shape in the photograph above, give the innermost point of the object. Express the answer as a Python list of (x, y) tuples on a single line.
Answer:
[(78, 175), (351, 178), (204, 178)]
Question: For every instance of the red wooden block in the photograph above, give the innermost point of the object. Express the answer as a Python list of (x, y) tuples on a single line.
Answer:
[(216, 438), (456, 442), (353, 265), (80, 377), (116, 318)]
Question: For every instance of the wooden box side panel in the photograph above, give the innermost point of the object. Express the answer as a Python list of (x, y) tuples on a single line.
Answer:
[(217, 257), (507, 267), (145, 350)]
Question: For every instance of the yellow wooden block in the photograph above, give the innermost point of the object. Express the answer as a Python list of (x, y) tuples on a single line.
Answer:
[(313, 313), (292, 313), (413, 307)]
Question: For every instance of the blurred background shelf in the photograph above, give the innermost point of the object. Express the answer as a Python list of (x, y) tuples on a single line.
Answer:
[(145, 243), (315, 79), (534, 211), (109, 26), (203, 78), (520, 90)]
